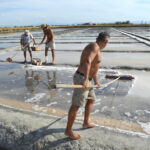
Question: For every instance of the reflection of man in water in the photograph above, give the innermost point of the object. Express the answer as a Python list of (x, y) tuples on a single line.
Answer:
[(87, 70), (50, 84), (31, 81)]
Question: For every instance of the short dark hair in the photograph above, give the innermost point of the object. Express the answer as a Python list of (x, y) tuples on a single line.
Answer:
[(103, 36)]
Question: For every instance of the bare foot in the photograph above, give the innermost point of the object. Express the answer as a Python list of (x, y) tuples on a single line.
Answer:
[(46, 62), (85, 126), (72, 135)]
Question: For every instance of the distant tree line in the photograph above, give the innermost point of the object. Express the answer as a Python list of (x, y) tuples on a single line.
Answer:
[(123, 22)]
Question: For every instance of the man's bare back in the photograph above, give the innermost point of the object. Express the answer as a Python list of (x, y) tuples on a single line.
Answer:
[(95, 63)]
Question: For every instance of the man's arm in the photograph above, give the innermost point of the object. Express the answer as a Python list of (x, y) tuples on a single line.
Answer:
[(43, 38), (95, 78), (90, 57), (31, 36), (34, 41)]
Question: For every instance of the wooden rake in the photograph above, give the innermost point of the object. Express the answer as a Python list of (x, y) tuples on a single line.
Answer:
[(113, 76), (81, 86)]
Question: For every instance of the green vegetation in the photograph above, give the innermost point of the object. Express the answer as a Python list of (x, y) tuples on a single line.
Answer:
[(17, 29), (116, 24)]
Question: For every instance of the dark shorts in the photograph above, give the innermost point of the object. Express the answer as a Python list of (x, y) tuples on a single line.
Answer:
[(80, 96)]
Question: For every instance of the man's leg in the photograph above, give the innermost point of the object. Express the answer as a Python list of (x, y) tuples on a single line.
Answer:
[(53, 56), (46, 55), (88, 109), (25, 58), (30, 52), (71, 118)]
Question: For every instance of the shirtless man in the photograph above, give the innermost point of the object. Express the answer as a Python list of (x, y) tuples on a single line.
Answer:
[(48, 33), (87, 70)]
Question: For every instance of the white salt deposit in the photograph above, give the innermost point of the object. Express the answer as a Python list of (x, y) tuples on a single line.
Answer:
[(128, 114), (95, 104), (96, 111), (98, 100), (146, 111), (68, 93), (103, 109), (44, 110), (145, 126), (81, 110), (50, 104), (36, 98), (38, 108), (68, 101), (53, 111), (142, 112), (108, 71), (33, 67), (113, 107), (142, 135), (29, 77)]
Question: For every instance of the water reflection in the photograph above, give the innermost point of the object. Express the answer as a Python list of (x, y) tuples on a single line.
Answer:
[(50, 83), (123, 88), (39, 79), (32, 80), (111, 104)]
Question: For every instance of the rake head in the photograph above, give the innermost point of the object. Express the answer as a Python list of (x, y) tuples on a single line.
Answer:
[(9, 59), (121, 77)]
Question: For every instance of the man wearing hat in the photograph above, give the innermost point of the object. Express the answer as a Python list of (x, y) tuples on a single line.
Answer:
[(25, 41), (48, 33)]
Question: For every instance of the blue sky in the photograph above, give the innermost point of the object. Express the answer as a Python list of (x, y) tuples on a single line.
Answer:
[(54, 12)]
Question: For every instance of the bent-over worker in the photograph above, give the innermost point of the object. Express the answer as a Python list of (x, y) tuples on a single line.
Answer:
[(25, 42)]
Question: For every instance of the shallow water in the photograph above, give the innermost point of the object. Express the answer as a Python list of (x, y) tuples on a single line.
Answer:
[(121, 100)]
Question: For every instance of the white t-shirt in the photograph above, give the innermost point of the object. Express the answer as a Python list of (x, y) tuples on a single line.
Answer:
[(26, 38)]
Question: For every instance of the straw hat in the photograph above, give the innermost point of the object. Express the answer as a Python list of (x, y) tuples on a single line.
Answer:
[(27, 32), (43, 26)]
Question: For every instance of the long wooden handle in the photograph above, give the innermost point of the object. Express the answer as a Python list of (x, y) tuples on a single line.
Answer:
[(73, 86), (81, 86)]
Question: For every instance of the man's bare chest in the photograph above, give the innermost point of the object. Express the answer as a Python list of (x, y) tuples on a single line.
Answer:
[(97, 59)]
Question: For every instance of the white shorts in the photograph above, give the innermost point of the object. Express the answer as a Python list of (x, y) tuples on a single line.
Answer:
[(51, 45)]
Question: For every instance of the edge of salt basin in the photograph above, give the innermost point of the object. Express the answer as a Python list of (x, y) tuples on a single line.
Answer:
[(24, 129)]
